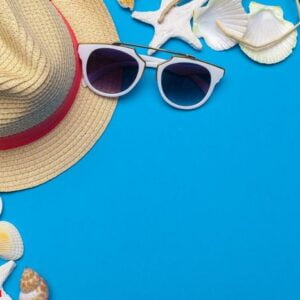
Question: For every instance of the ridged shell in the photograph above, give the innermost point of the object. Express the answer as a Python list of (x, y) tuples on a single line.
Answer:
[(33, 286), (230, 12), (127, 3), (267, 23), (11, 243)]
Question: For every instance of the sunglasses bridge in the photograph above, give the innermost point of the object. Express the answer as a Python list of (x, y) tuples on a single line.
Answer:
[(152, 62)]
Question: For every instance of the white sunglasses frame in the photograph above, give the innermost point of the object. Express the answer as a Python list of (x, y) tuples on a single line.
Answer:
[(144, 61)]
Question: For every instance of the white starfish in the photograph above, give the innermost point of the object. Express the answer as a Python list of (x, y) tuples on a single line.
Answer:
[(177, 23), (5, 271)]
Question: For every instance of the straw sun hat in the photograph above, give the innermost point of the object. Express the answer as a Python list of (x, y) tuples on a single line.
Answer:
[(48, 120)]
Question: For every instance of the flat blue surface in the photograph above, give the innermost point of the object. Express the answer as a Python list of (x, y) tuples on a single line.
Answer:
[(178, 205)]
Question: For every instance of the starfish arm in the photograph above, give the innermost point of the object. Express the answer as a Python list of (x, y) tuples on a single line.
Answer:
[(157, 41), (189, 37), (146, 17)]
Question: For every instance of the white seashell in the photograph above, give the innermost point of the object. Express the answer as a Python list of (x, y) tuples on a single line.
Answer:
[(11, 243), (5, 271), (266, 24), (230, 12), (4, 296), (33, 286)]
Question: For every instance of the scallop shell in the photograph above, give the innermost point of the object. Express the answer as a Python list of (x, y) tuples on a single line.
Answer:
[(127, 3), (33, 286), (267, 23), (11, 243), (230, 12), (5, 271)]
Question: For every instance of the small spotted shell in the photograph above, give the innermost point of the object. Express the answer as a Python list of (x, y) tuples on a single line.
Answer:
[(33, 286)]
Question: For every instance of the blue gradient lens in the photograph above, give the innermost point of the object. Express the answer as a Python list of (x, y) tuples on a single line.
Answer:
[(186, 84), (111, 71)]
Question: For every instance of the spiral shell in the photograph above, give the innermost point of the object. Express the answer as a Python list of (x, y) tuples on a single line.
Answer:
[(33, 286)]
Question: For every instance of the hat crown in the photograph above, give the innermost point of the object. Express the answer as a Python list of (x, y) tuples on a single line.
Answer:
[(37, 63)]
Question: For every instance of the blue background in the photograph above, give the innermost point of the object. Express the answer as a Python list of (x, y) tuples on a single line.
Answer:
[(177, 205)]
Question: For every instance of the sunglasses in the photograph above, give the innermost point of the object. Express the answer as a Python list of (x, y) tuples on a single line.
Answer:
[(114, 70)]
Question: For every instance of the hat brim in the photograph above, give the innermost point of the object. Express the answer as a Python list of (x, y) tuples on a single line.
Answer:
[(36, 163)]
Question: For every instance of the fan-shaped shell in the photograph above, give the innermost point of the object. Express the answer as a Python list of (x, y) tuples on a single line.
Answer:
[(33, 286), (266, 23), (230, 12), (11, 243)]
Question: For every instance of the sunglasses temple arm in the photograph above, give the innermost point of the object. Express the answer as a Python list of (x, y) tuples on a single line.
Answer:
[(152, 62), (83, 82)]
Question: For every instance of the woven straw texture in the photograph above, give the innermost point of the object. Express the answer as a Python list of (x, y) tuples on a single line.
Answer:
[(21, 100), (36, 74)]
